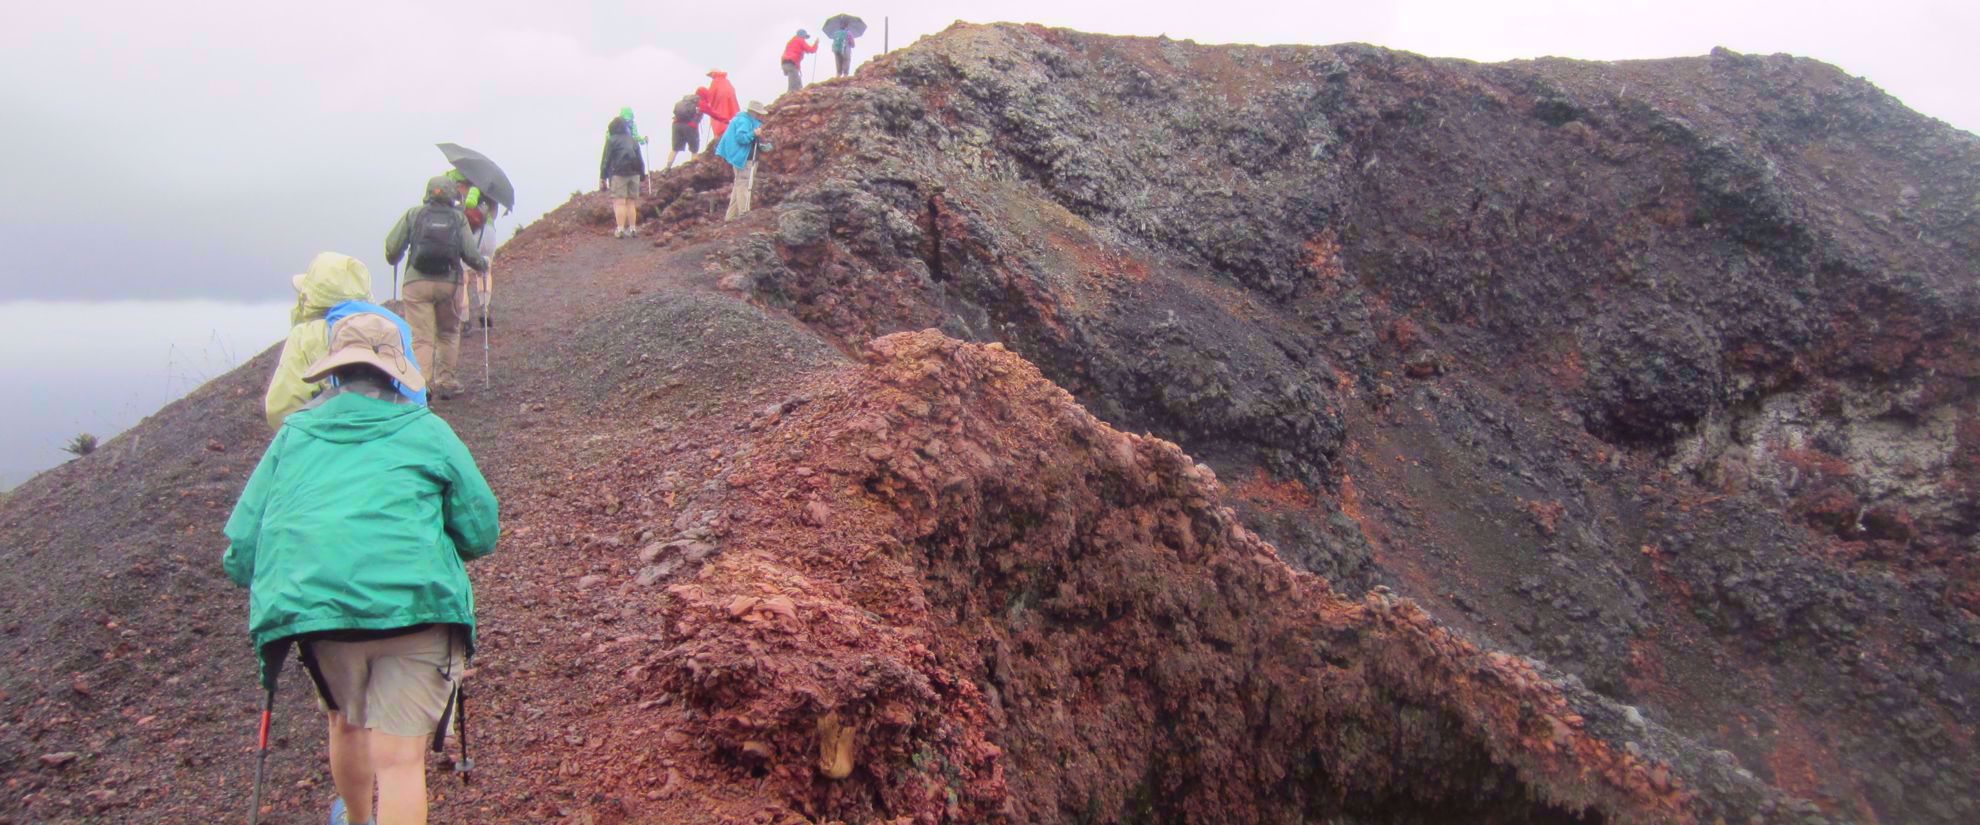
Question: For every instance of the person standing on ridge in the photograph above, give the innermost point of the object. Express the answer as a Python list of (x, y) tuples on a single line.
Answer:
[(687, 125), (721, 105), (639, 140), (842, 51), (620, 171), (794, 53), (479, 290), (437, 236), (352, 536), (739, 147)]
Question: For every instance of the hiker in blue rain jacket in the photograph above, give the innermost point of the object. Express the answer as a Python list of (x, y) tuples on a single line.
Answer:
[(739, 147)]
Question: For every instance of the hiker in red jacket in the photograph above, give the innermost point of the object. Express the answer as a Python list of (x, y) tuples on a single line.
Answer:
[(720, 105), (794, 53)]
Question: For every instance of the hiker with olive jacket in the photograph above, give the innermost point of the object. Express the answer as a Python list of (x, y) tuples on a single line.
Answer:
[(436, 235)]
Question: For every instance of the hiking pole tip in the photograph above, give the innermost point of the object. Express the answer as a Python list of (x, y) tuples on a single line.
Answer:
[(261, 756)]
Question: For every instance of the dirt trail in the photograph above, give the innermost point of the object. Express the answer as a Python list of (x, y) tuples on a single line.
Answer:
[(536, 431)]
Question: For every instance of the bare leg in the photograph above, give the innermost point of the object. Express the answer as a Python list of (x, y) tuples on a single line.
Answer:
[(401, 765), (350, 767), (460, 296), (487, 291), (473, 298)]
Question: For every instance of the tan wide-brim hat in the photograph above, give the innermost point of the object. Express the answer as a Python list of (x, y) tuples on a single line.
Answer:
[(370, 339), (756, 107)]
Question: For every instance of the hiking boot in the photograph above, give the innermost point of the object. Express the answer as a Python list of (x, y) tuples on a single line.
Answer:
[(619, 232)]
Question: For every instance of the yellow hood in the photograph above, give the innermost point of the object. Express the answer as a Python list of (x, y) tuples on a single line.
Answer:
[(332, 279)]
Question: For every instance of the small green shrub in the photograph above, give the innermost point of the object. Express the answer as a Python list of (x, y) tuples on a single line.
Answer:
[(83, 444)]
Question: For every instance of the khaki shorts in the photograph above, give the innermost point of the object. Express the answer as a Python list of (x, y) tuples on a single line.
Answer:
[(398, 685), (687, 137), (623, 186)]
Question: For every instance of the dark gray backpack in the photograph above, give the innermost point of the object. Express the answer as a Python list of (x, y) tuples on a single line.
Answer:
[(436, 239)]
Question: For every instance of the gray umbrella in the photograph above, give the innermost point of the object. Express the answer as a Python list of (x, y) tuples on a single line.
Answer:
[(482, 172), (847, 23)]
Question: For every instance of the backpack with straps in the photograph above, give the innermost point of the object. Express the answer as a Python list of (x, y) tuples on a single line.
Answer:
[(687, 111), (435, 234)]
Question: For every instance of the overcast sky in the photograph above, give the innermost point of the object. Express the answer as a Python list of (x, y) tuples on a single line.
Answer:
[(206, 150), (209, 149)]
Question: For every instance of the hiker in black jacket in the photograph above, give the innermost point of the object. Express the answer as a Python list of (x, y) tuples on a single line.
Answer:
[(621, 171)]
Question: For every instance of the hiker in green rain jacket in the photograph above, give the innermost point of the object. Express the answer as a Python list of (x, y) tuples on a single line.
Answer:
[(352, 536)]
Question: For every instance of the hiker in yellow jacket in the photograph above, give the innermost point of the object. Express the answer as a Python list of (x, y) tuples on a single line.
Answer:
[(331, 280)]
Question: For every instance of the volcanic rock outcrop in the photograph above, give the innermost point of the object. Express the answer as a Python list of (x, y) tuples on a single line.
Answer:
[(1015, 610), (1660, 372), (1533, 442)]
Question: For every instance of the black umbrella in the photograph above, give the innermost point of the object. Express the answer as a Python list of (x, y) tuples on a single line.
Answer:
[(845, 23), (482, 172)]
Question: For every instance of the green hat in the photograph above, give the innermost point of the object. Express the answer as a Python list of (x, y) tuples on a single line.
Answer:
[(625, 112)]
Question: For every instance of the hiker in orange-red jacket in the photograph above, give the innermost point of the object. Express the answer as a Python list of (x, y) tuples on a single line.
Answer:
[(794, 53), (720, 105)]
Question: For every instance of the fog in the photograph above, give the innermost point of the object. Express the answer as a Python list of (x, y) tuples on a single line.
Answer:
[(62, 374)]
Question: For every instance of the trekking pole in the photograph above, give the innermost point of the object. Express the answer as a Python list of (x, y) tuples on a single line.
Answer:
[(455, 713), (487, 316), (465, 767), (395, 282), (261, 759)]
